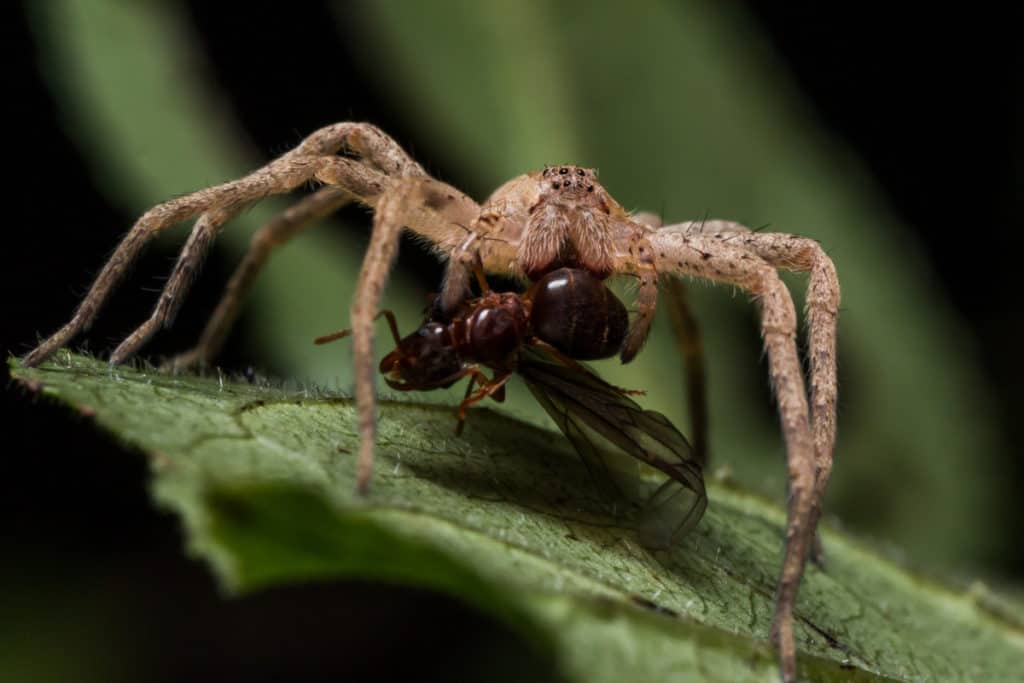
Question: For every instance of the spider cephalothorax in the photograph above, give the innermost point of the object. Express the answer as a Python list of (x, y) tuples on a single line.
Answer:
[(568, 224), (562, 216), (558, 216)]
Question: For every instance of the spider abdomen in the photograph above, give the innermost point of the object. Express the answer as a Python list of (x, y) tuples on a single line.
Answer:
[(577, 314)]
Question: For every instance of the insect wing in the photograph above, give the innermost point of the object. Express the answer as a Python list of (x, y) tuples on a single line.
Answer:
[(621, 443)]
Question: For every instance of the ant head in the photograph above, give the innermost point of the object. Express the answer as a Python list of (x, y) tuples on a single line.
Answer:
[(423, 360)]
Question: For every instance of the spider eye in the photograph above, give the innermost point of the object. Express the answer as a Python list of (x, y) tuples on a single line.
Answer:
[(567, 183), (580, 172), (563, 170)]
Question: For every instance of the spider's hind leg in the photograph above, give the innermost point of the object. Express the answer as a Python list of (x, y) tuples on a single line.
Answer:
[(691, 346), (173, 295)]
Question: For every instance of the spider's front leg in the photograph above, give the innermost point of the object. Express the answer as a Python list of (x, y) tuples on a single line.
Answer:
[(725, 257), (435, 211)]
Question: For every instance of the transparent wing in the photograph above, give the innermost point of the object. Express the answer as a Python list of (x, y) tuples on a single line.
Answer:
[(628, 450)]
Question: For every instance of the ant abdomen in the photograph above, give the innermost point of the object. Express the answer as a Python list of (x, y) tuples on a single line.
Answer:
[(577, 314)]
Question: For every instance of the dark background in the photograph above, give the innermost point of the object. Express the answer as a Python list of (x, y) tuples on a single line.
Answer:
[(891, 86)]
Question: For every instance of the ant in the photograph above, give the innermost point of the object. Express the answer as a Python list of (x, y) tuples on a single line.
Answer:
[(568, 315)]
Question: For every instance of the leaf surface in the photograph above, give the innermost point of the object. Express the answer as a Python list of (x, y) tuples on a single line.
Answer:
[(507, 519)]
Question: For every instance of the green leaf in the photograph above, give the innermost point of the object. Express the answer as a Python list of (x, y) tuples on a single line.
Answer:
[(506, 519)]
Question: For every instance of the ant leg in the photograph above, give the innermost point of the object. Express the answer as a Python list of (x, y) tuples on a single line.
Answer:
[(488, 387), (461, 423)]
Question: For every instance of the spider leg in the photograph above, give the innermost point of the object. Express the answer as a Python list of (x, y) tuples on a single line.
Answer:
[(220, 202), (646, 270), (456, 287), (688, 253), (277, 232), (274, 234), (430, 209), (186, 268), (792, 252), (648, 218), (313, 158), (688, 336), (190, 259), (364, 141), (646, 302)]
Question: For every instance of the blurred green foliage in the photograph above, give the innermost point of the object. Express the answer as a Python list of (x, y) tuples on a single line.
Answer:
[(685, 110)]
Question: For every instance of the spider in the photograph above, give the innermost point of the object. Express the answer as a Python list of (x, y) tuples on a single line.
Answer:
[(555, 217)]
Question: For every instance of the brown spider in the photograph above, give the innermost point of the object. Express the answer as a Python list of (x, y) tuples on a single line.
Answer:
[(560, 216)]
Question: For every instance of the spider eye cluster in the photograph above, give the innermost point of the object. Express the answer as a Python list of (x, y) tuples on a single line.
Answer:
[(564, 177)]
